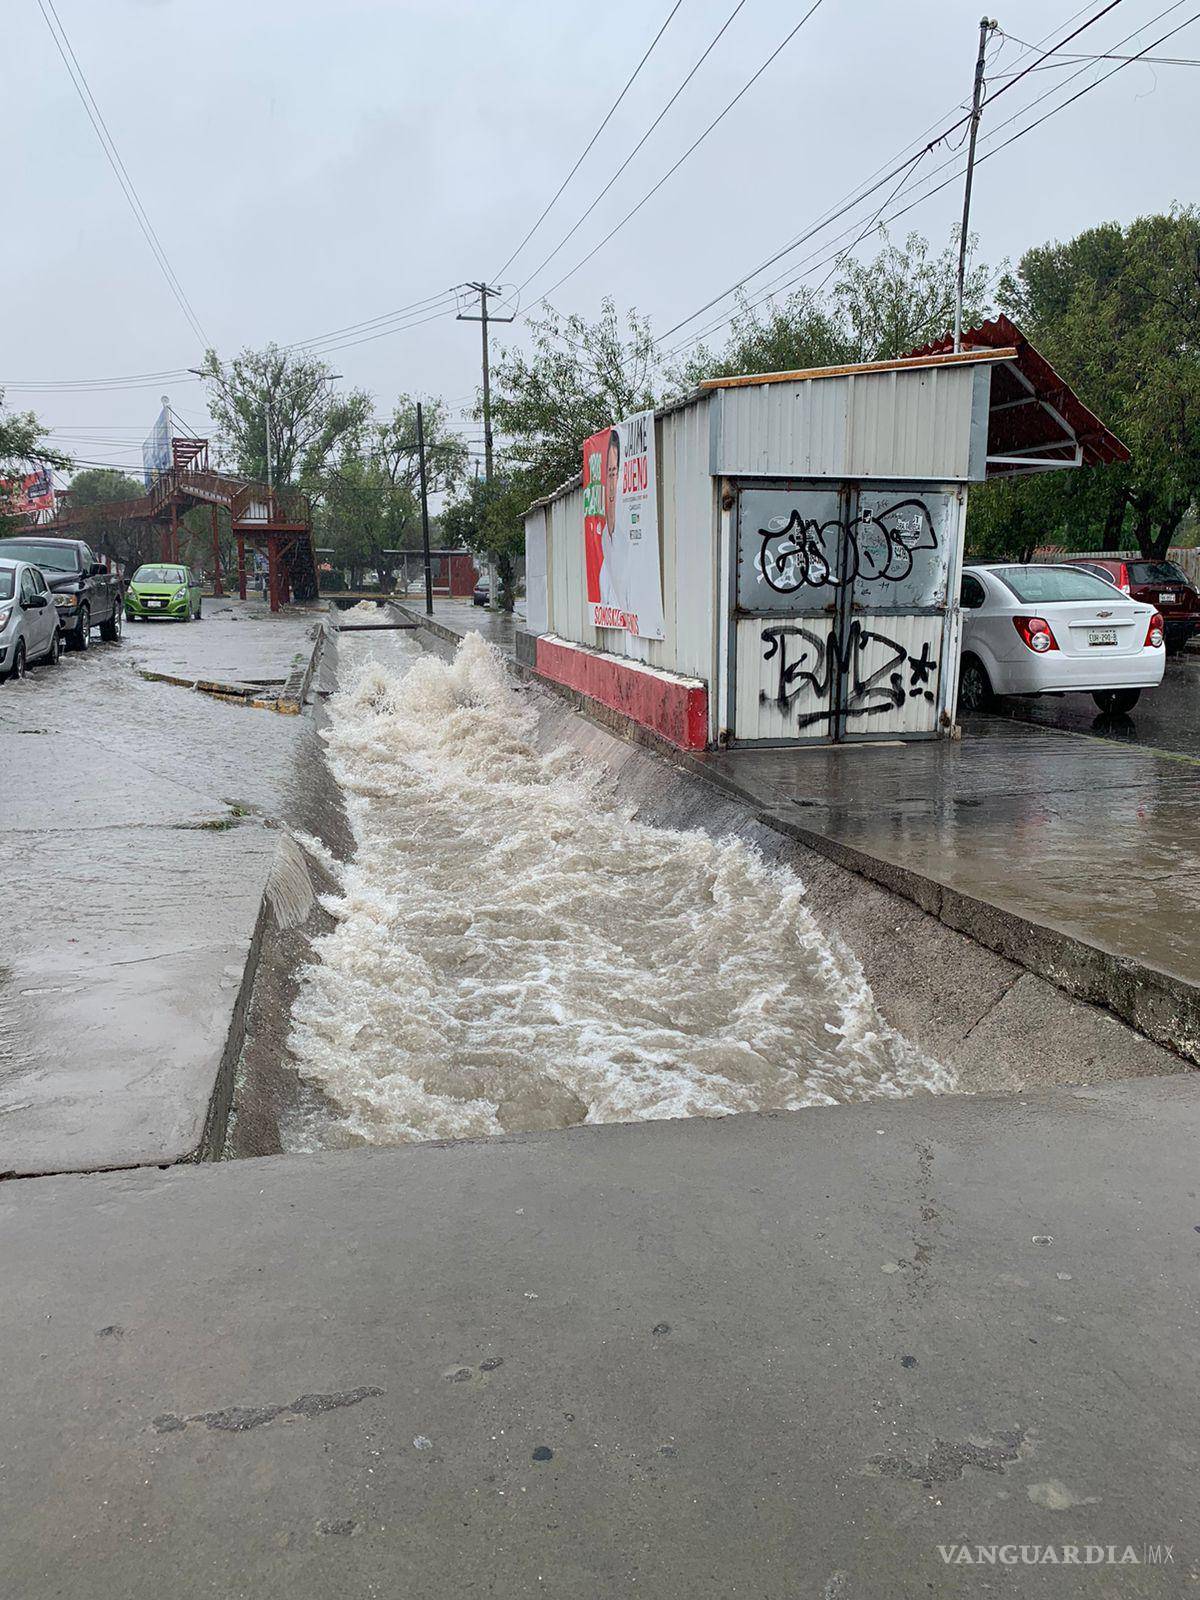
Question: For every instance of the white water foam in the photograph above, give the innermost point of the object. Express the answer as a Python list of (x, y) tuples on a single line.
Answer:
[(513, 951)]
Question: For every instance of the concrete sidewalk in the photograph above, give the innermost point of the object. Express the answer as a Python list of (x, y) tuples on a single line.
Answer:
[(1074, 856), (782, 1357), (142, 813)]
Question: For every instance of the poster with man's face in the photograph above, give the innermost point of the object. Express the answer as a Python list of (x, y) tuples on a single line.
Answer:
[(620, 528)]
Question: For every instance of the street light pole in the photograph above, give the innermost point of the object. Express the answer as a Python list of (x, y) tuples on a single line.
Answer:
[(986, 24), (424, 511)]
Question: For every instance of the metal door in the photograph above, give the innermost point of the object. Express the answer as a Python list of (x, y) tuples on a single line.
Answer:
[(842, 609)]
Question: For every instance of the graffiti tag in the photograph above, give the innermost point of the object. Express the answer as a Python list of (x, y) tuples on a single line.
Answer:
[(876, 546), (839, 672)]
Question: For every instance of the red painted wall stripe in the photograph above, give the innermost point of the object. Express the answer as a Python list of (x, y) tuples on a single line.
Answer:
[(675, 709)]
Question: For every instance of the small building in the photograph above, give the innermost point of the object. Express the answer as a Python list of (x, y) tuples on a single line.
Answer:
[(810, 538)]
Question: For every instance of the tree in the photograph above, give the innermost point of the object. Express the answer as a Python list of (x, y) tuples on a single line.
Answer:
[(307, 418), (1117, 311), (904, 297), (130, 540), (23, 444), (876, 310), (579, 377), (782, 336), (367, 493), (489, 520)]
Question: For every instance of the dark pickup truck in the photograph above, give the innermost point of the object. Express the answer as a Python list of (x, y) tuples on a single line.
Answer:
[(86, 594)]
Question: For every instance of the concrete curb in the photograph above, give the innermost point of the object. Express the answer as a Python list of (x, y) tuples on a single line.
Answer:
[(1161, 1005), (216, 1122)]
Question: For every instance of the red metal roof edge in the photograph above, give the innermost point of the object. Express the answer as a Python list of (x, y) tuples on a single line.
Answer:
[(1101, 446)]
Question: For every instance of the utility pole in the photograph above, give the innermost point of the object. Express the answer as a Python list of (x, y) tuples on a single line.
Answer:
[(424, 511), (986, 24), (485, 291)]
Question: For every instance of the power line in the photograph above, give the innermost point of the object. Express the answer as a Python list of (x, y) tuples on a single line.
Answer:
[(96, 117), (622, 166), (1020, 133), (746, 87), (849, 203), (607, 117), (444, 297), (785, 282)]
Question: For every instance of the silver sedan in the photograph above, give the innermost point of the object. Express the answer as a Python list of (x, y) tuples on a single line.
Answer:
[(28, 619)]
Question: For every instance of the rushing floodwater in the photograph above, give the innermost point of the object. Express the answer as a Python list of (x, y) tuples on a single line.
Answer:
[(513, 951)]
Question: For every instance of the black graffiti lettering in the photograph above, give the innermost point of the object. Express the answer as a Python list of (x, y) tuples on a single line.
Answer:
[(876, 546), (836, 671)]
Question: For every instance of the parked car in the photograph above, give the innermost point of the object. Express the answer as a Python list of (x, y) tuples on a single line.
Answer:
[(482, 593), (163, 589), (1051, 629), (1161, 584), (28, 619), (86, 594)]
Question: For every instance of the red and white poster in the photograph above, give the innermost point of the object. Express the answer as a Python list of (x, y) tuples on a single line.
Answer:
[(620, 528), (32, 493)]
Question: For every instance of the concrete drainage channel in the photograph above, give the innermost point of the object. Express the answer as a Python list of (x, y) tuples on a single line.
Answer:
[(987, 1021)]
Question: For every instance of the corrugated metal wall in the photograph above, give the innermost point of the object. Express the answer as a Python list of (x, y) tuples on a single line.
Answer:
[(687, 512), (903, 424)]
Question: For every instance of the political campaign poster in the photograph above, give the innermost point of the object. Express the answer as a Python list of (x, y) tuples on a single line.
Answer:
[(620, 528)]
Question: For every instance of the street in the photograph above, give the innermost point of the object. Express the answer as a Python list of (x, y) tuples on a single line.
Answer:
[(143, 812), (1166, 718)]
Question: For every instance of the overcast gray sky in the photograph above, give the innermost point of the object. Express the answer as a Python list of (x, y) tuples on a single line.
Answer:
[(317, 164)]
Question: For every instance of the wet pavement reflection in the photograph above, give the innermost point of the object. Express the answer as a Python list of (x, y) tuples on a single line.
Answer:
[(141, 815)]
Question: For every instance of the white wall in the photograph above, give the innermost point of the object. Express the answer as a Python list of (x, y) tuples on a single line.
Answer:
[(687, 517)]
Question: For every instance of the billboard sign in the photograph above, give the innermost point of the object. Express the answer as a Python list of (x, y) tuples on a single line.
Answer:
[(620, 528), (156, 452), (28, 495)]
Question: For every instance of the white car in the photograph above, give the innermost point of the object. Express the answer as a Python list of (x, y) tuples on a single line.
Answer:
[(1054, 629), (28, 619)]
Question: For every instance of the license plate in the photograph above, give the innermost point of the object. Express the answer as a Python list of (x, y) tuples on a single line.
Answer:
[(156, 602), (1168, 598), (1102, 636)]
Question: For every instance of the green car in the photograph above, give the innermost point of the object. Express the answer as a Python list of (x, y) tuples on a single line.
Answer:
[(163, 589)]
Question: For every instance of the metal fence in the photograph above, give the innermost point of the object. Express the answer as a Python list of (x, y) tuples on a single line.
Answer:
[(1188, 559)]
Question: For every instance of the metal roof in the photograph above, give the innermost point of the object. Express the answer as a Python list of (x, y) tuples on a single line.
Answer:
[(854, 369), (1034, 413)]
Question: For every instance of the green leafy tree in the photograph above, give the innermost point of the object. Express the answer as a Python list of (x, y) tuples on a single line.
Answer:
[(489, 519), (875, 310), (308, 419), (1117, 311), (578, 377), (368, 492), (130, 540), (24, 444)]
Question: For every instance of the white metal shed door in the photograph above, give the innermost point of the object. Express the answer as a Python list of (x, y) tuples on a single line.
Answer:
[(842, 595)]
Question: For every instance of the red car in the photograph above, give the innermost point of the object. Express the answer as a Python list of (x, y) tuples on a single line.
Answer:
[(1160, 584)]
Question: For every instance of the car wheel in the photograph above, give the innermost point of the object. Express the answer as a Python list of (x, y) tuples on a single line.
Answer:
[(52, 655), (1116, 702), (111, 630), (17, 670), (81, 638), (975, 691)]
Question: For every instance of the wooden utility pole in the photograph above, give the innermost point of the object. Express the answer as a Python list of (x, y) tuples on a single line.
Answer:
[(424, 511), (485, 291), (985, 27)]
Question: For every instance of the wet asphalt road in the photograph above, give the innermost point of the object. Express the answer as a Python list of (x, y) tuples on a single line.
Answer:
[(1166, 718)]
